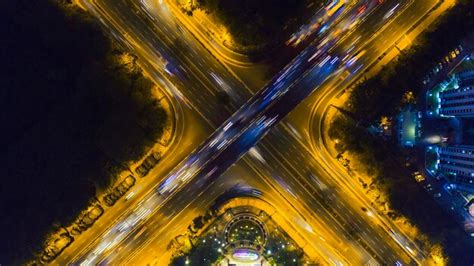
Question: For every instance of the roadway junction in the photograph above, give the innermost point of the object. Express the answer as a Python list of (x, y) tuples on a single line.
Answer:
[(289, 167)]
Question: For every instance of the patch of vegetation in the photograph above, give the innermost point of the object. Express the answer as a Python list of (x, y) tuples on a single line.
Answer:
[(246, 230), (73, 112), (205, 251), (382, 95), (260, 22), (283, 253)]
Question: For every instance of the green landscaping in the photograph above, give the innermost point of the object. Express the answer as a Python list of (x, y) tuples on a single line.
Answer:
[(225, 232), (246, 230), (204, 252), (280, 251)]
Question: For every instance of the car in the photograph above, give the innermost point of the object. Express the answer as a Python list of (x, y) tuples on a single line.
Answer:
[(47, 257), (156, 155), (117, 193), (418, 177), (55, 247), (96, 212), (152, 160), (429, 187), (141, 170), (113, 198), (149, 162), (75, 231), (437, 195), (108, 200), (129, 181), (122, 189), (452, 54)]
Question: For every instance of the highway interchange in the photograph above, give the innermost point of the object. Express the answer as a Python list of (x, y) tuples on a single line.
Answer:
[(282, 160)]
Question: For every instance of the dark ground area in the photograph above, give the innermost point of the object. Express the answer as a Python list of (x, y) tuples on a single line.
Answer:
[(382, 96), (71, 114), (259, 22)]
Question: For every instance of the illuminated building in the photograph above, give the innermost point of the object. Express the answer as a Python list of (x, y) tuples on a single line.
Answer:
[(457, 102), (466, 78), (456, 163)]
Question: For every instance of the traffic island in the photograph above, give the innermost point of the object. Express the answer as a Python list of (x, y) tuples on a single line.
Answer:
[(241, 235)]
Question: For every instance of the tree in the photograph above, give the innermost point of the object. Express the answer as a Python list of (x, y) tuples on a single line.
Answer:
[(198, 222)]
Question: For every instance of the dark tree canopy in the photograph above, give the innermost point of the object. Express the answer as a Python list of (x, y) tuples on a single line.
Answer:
[(253, 22), (71, 115)]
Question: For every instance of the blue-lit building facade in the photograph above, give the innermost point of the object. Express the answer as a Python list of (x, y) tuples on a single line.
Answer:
[(456, 164), (454, 98), (457, 102), (466, 78), (448, 138)]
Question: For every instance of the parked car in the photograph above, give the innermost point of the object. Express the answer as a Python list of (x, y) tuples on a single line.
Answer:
[(148, 164), (122, 189), (96, 212), (142, 170), (129, 181), (55, 247), (152, 160), (119, 191), (108, 200), (429, 187)]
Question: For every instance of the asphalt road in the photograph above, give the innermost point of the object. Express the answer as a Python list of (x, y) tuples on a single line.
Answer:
[(199, 84)]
